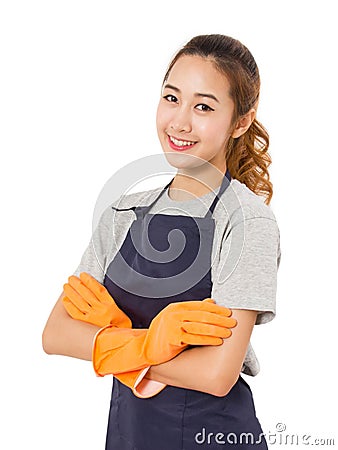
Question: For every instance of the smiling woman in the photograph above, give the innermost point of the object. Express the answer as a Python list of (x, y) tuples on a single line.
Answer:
[(186, 115), (169, 313), (212, 85)]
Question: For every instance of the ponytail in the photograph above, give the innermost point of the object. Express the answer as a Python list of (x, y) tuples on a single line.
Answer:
[(248, 160)]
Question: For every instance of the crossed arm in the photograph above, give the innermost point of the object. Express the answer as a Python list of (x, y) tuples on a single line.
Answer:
[(210, 369)]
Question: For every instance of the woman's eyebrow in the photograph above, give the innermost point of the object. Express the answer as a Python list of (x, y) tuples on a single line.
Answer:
[(197, 94)]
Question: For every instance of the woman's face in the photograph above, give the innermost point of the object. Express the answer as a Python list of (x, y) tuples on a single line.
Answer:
[(194, 115)]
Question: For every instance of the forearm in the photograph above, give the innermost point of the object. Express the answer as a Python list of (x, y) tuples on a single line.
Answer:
[(65, 336), (211, 369), (195, 368)]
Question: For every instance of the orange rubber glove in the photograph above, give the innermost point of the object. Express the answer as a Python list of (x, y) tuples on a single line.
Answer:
[(88, 300), (118, 350)]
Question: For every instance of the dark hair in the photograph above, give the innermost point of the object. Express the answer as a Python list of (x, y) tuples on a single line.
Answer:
[(247, 157)]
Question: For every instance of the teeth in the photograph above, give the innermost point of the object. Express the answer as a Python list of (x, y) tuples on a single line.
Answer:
[(180, 143)]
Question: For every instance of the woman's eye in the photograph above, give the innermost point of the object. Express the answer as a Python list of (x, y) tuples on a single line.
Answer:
[(203, 107), (171, 98)]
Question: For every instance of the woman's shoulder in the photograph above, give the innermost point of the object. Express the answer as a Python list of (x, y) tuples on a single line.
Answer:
[(141, 198), (127, 201), (120, 210), (248, 213), (242, 202)]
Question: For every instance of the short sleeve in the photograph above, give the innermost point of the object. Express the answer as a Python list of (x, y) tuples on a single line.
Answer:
[(94, 258), (246, 276)]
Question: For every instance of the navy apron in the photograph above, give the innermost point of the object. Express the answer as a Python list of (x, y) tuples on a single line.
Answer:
[(143, 278)]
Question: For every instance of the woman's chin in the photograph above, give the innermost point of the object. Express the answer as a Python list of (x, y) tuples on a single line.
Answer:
[(182, 160)]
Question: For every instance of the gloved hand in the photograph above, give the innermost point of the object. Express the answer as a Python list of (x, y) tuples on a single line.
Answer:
[(118, 350), (88, 300)]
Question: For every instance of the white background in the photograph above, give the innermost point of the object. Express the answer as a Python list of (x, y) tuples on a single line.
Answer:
[(79, 85)]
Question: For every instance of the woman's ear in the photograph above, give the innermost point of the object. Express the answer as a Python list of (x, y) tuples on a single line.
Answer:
[(243, 123)]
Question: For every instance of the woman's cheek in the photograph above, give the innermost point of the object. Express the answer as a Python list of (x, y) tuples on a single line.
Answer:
[(207, 130), (163, 118), (217, 131)]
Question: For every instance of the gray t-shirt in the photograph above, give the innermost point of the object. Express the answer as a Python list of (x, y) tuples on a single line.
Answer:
[(245, 254)]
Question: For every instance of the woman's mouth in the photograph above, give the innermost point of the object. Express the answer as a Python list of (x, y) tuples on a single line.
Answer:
[(178, 145)]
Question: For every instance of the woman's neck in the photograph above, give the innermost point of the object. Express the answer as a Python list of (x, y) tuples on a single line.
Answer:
[(189, 184)]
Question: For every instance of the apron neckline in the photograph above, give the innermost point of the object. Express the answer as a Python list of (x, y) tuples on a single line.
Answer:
[(142, 210)]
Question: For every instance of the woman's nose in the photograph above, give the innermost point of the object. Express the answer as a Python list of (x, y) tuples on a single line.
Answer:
[(181, 121)]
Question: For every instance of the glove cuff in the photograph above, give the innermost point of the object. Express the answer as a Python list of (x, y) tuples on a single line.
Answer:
[(95, 361), (144, 388)]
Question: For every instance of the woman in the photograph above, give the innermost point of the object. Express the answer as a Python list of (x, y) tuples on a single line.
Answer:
[(139, 305)]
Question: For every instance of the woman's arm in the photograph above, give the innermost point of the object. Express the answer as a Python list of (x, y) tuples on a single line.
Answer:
[(63, 335), (210, 369)]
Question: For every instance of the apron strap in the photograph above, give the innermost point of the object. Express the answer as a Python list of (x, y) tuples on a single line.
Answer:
[(147, 208), (225, 184), (142, 210)]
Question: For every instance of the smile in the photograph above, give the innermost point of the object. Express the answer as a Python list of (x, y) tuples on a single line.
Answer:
[(177, 144)]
